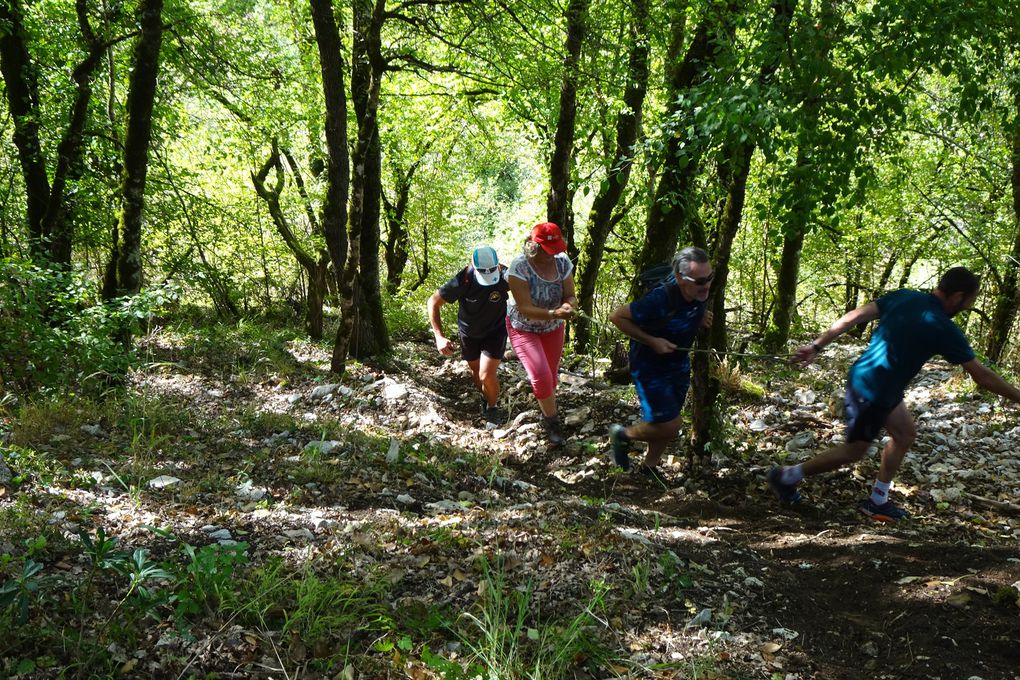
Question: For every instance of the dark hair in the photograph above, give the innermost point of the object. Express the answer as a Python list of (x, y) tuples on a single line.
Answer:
[(959, 280), (682, 260)]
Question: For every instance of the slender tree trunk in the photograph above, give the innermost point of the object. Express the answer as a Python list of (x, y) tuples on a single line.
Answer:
[(316, 268), (140, 103), (802, 188), (397, 238), (371, 335), (365, 93), (1008, 297), (789, 269), (672, 212), (558, 203), (56, 222), (1007, 301), (22, 87), (706, 387), (338, 171), (628, 128), (48, 206)]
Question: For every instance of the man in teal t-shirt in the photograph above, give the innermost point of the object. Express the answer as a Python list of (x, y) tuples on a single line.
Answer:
[(912, 328)]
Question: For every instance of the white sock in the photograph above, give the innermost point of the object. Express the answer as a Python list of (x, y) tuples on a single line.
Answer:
[(792, 474), (880, 492)]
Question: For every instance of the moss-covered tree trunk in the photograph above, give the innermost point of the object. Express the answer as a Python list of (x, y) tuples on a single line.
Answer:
[(1007, 299), (365, 82), (558, 209), (673, 212), (733, 176), (21, 83), (628, 128), (140, 103), (338, 169), (369, 336)]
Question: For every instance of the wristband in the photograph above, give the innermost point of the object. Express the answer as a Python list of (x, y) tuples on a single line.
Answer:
[(816, 347)]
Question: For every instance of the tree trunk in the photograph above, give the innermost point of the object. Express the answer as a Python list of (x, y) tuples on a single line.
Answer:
[(365, 93), (397, 238), (56, 223), (140, 102), (49, 228), (671, 212), (558, 203), (802, 190), (316, 268), (789, 272), (628, 128), (706, 387), (1007, 301), (369, 335), (22, 86), (338, 171)]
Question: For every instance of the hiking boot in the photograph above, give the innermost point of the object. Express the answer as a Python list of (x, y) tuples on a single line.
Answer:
[(494, 415), (620, 445), (887, 512), (786, 493), (551, 425), (651, 473)]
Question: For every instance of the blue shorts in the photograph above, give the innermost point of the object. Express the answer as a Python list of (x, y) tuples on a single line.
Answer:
[(864, 420), (661, 394), (492, 345)]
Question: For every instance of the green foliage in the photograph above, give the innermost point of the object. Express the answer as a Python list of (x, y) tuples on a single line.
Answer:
[(206, 576), (54, 334), (508, 639), (18, 592)]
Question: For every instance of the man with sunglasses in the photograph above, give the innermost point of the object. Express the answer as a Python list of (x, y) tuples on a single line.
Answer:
[(662, 326), (913, 326), (481, 291)]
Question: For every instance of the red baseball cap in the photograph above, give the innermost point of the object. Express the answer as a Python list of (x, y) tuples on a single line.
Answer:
[(547, 235)]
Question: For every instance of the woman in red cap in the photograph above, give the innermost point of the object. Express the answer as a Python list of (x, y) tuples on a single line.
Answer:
[(542, 289)]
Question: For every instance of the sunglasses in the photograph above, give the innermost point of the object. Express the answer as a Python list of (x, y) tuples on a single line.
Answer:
[(488, 270), (699, 281)]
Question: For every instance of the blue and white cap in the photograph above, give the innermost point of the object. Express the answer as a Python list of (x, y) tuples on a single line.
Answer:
[(486, 265)]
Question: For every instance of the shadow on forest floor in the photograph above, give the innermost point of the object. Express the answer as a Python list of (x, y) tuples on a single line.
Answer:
[(389, 479)]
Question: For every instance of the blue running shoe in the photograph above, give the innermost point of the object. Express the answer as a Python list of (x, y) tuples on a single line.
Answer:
[(786, 493), (620, 445), (887, 512)]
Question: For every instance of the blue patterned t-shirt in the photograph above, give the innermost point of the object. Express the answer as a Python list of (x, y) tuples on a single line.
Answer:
[(665, 313)]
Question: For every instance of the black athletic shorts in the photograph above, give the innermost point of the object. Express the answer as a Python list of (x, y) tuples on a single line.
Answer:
[(864, 420), (492, 345)]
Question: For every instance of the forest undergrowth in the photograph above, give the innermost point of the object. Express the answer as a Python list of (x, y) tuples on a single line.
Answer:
[(235, 511)]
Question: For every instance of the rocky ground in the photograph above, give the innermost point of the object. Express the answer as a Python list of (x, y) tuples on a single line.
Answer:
[(390, 479)]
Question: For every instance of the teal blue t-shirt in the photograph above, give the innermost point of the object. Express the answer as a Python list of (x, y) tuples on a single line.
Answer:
[(912, 328)]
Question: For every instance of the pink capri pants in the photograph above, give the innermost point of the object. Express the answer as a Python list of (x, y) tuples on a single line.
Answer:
[(540, 353)]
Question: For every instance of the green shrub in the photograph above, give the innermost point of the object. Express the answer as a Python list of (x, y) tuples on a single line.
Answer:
[(54, 332)]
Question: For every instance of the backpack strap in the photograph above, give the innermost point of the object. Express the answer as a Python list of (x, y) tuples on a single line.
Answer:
[(673, 295)]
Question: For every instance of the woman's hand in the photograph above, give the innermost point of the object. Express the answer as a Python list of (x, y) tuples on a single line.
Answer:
[(565, 311)]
